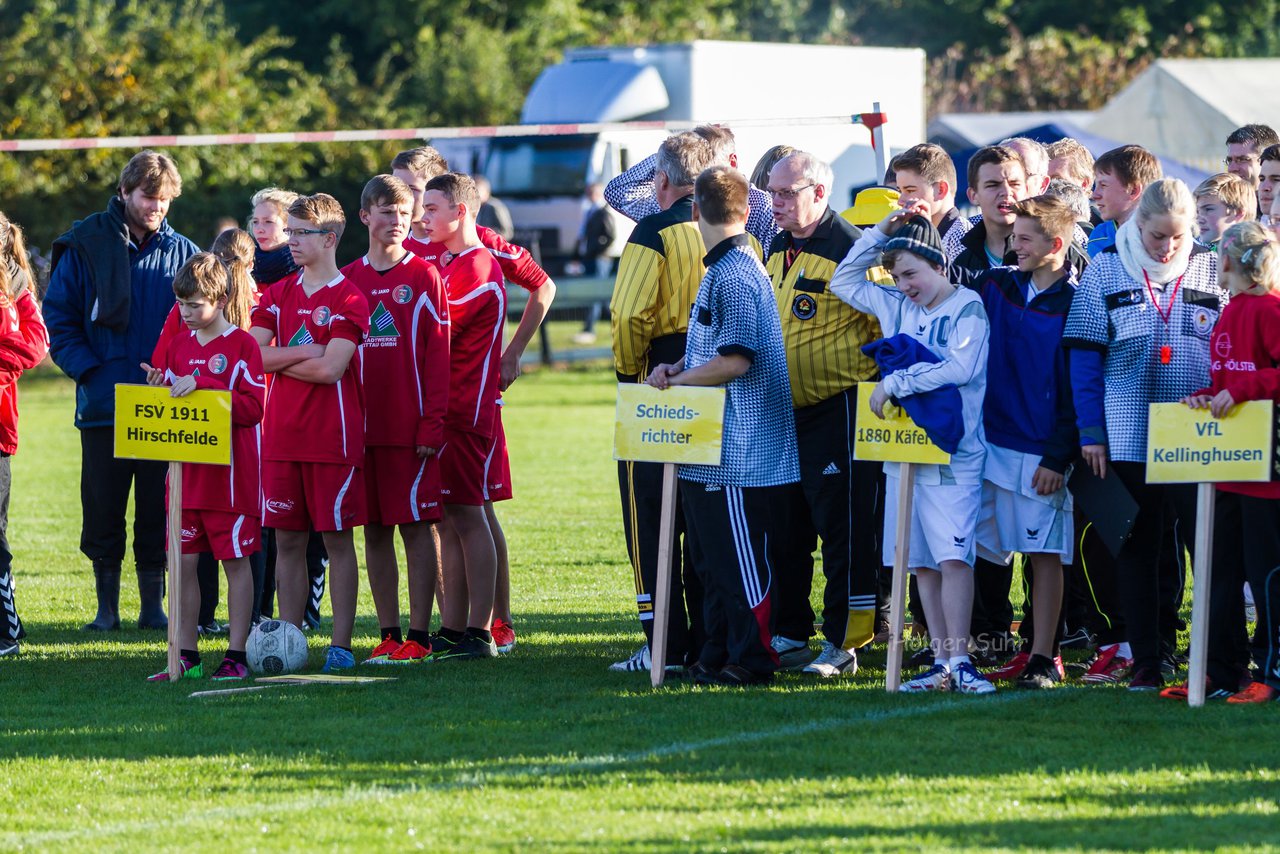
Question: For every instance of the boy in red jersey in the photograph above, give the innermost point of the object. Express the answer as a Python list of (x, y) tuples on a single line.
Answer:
[(415, 167), (313, 446), (405, 372), (221, 505), (477, 311)]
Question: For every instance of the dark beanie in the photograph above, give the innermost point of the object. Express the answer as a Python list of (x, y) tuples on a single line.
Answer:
[(918, 236)]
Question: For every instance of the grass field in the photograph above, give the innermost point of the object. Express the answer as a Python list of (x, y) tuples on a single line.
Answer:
[(545, 750)]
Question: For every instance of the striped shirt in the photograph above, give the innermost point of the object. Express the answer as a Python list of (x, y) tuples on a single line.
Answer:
[(823, 335), (658, 276)]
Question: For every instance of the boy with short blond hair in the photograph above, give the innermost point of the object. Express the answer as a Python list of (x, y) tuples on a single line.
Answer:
[(406, 383), (313, 446), (477, 310), (1120, 176), (1071, 161), (1222, 200)]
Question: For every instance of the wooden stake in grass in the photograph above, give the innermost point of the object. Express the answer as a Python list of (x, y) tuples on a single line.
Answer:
[(1203, 575), (662, 596), (174, 561), (901, 556)]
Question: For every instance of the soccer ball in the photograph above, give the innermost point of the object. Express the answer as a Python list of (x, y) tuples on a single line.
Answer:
[(276, 647)]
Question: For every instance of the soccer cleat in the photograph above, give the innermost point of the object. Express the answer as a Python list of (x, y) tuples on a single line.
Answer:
[(409, 652), (936, 678), (213, 627), (1012, 668), (1108, 668), (1060, 667), (966, 679), (792, 654), (638, 661), (922, 657), (469, 647), (1182, 692), (336, 658), (1257, 692), (735, 676), (383, 651), (230, 671), (1146, 679), (440, 645), (190, 670), (1040, 673), (504, 635), (1076, 639), (833, 661), (8, 647)]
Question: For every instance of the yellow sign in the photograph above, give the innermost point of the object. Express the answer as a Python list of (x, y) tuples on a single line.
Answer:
[(893, 439), (151, 425), (682, 424), (1186, 445)]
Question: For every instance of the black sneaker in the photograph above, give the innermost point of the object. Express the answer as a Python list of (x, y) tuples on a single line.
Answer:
[(1039, 673), (1146, 679), (440, 645), (471, 646), (8, 647), (922, 657), (1077, 639)]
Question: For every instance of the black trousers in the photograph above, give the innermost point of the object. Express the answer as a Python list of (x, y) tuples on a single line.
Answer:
[(731, 532), (10, 624), (1246, 547), (992, 610), (641, 488), (1149, 584), (841, 501), (105, 483)]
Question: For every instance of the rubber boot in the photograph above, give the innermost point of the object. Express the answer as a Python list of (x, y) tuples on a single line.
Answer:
[(151, 596), (107, 583)]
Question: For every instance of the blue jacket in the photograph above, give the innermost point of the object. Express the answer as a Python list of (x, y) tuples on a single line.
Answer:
[(93, 354), (940, 412), (1028, 404)]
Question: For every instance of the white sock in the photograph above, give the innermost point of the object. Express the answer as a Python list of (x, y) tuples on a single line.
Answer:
[(939, 661), (958, 660)]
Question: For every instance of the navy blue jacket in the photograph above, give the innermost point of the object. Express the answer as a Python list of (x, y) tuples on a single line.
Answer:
[(1028, 404), (95, 355), (939, 412)]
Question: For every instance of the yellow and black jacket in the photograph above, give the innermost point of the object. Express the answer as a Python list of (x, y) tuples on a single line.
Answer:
[(823, 335)]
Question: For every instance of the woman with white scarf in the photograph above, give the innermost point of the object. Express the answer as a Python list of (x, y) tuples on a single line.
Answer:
[(1138, 333)]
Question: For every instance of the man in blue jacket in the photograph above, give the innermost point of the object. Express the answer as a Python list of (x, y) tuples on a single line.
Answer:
[(109, 293)]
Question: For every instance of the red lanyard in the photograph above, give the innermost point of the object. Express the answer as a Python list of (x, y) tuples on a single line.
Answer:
[(1166, 352)]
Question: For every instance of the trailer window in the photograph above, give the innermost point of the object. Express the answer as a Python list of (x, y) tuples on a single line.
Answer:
[(542, 166)]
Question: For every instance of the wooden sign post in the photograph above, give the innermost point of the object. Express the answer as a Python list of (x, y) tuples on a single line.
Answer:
[(681, 424), (895, 439), (1187, 445), (196, 428)]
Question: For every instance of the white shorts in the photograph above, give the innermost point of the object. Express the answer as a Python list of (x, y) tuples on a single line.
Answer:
[(944, 519), (1011, 522)]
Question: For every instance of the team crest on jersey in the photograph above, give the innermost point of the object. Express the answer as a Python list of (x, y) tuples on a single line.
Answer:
[(804, 307), (382, 324), (218, 363), (302, 336), (402, 294), (1202, 321), (321, 315)]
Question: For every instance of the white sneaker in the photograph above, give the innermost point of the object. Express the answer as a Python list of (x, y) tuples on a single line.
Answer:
[(792, 654), (966, 679), (936, 678), (833, 661), (638, 661)]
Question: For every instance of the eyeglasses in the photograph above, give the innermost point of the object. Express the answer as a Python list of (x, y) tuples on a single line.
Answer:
[(1242, 160), (303, 232), (788, 195)]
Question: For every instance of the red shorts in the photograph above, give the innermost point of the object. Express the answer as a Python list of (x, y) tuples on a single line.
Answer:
[(400, 487), (306, 496), (497, 467), (227, 535), (462, 460)]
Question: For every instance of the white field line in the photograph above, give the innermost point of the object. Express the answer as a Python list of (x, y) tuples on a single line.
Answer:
[(480, 777)]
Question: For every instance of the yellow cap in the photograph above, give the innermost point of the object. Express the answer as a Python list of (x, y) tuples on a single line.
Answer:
[(871, 206)]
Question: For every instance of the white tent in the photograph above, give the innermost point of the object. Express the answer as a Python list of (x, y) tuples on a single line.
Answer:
[(1185, 108)]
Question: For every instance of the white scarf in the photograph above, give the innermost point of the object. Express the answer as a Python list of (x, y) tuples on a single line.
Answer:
[(1136, 260)]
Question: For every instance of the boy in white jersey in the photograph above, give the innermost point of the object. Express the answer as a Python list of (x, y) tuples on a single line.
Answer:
[(947, 328)]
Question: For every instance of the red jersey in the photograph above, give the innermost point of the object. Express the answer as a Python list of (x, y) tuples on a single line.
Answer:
[(1245, 360), (517, 265), (405, 357), (477, 311), (314, 422), (172, 326), (24, 342), (231, 362)]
